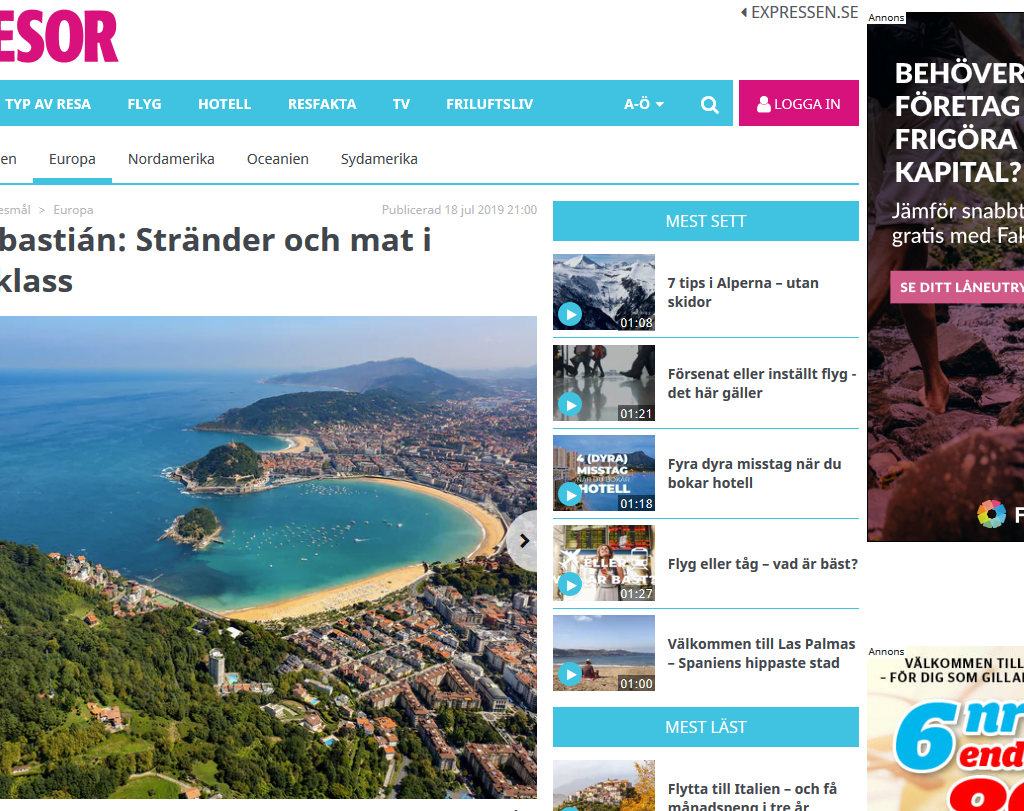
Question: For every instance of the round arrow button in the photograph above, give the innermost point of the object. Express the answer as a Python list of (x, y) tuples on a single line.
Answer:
[(570, 674), (570, 584), (570, 404), (570, 494), (570, 313)]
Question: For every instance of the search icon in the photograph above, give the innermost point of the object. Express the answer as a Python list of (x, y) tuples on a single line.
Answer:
[(709, 105)]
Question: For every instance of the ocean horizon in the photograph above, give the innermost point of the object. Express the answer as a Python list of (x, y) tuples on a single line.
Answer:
[(86, 457), (636, 659)]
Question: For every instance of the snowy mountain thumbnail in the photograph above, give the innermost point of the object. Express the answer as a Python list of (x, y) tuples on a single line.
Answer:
[(606, 292)]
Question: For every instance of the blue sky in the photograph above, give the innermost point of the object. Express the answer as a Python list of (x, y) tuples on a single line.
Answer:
[(271, 344), (633, 632), (597, 443), (591, 772)]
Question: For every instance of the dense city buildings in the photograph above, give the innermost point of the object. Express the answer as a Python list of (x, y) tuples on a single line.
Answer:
[(505, 772), (438, 652), (607, 792), (483, 449)]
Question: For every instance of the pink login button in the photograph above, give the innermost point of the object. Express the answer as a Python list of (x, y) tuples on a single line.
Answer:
[(799, 103)]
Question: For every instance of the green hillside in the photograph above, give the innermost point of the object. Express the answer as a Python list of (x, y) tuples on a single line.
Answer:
[(198, 523), (294, 413), (226, 465), (153, 667)]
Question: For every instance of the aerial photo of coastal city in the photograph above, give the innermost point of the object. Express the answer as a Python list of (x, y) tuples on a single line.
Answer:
[(248, 557)]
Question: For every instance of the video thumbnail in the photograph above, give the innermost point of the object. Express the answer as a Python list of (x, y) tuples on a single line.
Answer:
[(602, 652), (601, 472), (603, 785), (604, 291), (603, 563), (595, 382)]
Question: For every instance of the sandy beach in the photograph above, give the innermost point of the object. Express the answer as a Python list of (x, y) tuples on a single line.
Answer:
[(371, 588), (296, 443), (608, 680), (493, 529)]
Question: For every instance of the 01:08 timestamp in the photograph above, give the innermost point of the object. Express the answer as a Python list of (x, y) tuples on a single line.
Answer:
[(637, 322)]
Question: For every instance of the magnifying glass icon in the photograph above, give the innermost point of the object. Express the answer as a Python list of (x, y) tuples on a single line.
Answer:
[(709, 105)]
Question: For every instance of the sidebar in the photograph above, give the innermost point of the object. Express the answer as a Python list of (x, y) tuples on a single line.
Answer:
[(707, 456)]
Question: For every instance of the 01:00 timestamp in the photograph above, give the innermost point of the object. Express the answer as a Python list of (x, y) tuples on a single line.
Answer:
[(636, 683)]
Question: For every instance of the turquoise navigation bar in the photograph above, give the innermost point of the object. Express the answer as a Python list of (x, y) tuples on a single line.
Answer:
[(773, 727), (707, 221), (367, 103)]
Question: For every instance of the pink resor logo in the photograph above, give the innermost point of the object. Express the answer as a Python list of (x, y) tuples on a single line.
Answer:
[(91, 36)]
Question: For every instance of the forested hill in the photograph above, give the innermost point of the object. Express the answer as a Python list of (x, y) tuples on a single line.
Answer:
[(638, 460), (153, 668), (406, 375), (231, 464), (293, 413), (198, 523)]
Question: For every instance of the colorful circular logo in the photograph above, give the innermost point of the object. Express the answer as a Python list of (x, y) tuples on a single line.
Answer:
[(991, 514)]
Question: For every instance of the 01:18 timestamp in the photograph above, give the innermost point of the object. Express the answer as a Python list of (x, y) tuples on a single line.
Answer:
[(636, 503)]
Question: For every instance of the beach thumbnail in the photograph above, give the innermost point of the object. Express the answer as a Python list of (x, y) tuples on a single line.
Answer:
[(593, 382), (265, 558), (603, 292), (603, 652), (601, 472), (614, 562), (603, 785)]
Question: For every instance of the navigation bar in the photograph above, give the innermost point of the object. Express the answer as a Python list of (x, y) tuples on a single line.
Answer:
[(368, 103)]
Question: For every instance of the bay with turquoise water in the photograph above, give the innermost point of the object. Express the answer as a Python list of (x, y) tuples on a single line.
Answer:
[(83, 462)]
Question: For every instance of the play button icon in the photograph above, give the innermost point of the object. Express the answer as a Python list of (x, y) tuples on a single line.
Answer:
[(570, 674), (570, 584), (570, 494), (570, 313), (570, 404)]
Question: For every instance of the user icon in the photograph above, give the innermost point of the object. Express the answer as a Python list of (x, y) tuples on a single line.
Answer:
[(764, 106)]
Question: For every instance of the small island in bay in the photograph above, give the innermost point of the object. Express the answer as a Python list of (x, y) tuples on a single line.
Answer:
[(231, 468), (198, 527)]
